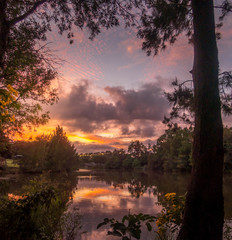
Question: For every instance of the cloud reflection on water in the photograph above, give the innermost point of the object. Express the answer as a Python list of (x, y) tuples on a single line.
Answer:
[(98, 200)]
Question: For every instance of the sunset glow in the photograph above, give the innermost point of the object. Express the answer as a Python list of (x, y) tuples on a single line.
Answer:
[(111, 93)]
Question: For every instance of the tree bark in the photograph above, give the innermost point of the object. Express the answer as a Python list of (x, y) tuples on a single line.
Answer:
[(204, 209)]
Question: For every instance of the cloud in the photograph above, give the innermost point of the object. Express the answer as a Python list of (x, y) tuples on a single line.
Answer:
[(83, 111), (147, 103), (131, 45), (92, 147), (144, 129)]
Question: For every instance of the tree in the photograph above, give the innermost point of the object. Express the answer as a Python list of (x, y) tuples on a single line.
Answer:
[(227, 135), (26, 83), (172, 151), (26, 70), (5, 146), (33, 153), (61, 154), (182, 99), (161, 21), (28, 66), (164, 22), (138, 151), (205, 190)]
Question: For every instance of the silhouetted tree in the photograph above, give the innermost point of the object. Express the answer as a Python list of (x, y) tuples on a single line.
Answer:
[(163, 22), (27, 65), (182, 99), (61, 153)]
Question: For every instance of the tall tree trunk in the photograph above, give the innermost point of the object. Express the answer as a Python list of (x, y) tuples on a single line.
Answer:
[(204, 210)]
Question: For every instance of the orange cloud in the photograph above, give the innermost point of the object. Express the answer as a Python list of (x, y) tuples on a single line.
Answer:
[(131, 45)]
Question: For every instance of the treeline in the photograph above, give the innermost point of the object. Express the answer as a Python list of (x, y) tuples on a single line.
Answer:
[(54, 152), (172, 152), (51, 152), (135, 157)]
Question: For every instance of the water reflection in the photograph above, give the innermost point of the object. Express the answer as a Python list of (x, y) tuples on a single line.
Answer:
[(98, 199), (102, 194)]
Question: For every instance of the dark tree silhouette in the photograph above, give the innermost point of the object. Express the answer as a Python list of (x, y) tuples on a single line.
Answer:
[(162, 23)]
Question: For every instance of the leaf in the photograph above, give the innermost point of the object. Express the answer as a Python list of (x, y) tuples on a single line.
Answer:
[(106, 221), (125, 238), (125, 218), (101, 224), (135, 233), (149, 228), (115, 233)]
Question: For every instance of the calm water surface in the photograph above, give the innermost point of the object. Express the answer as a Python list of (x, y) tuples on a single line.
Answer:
[(112, 194)]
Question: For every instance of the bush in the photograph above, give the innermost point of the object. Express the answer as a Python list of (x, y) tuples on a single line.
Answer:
[(30, 216), (127, 163)]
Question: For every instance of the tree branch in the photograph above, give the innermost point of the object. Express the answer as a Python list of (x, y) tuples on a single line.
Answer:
[(26, 14)]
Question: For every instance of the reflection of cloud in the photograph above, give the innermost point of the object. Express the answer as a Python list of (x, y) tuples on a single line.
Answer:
[(104, 201), (92, 193)]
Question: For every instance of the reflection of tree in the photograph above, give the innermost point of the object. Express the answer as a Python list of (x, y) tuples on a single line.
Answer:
[(136, 188), (157, 184), (65, 183), (118, 185)]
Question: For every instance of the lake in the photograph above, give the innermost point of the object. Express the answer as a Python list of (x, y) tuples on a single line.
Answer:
[(112, 194)]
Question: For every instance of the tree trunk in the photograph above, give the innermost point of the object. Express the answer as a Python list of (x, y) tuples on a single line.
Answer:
[(204, 210)]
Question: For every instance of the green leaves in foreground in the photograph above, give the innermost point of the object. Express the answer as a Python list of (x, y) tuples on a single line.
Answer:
[(130, 226)]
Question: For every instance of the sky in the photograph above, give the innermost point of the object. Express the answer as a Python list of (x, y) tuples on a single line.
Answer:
[(111, 93)]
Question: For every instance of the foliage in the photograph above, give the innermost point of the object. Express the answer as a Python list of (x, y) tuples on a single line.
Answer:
[(172, 150), (129, 227), (53, 152), (227, 230), (11, 163), (7, 100), (70, 224), (33, 154), (61, 154), (39, 210), (29, 216), (182, 99), (27, 64), (28, 68), (137, 149), (113, 163), (167, 221), (227, 137), (5, 145), (128, 163), (170, 217)]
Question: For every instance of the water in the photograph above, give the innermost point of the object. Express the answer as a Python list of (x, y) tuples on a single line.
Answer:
[(112, 194)]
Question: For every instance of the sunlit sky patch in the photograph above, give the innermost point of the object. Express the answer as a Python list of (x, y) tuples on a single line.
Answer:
[(112, 93)]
